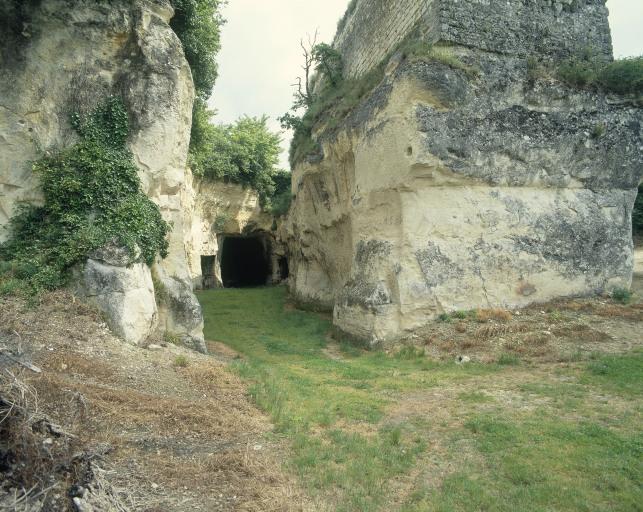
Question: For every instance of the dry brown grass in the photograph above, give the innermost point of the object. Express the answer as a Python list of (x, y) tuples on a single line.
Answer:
[(191, 430), (461, 327), (499, 315)]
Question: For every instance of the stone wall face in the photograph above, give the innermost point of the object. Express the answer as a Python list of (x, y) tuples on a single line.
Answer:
[(557, 28), (376, 27), (70, 56)]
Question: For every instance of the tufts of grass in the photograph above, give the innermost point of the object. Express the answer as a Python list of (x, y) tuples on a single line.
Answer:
[(10, 286), (622, 76), (499, 315), (622, 374), (410, 352), (508, 360), (181, 361), (475, 397), (171, 338)]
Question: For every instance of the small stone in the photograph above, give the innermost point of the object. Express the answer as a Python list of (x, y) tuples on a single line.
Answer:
[(155, 486), (462, 359), (154, 347)]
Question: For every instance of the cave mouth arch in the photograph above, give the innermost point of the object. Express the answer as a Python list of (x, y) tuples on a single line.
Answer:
[(245, 262)]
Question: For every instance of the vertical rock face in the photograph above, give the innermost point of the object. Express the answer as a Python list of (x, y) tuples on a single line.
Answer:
[(451, 188), (67, 57)]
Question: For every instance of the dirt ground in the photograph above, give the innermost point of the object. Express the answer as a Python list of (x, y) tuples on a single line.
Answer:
[(181, 432)]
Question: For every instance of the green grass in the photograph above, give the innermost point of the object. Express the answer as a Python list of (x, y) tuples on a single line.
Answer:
[(493, 437)]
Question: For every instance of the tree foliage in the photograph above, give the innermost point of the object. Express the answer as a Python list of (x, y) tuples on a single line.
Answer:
[(92, 196), (197, 23), (244, 152), (314, 98)]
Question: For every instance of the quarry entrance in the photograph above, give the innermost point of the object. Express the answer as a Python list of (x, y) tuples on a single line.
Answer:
[(245, 261)]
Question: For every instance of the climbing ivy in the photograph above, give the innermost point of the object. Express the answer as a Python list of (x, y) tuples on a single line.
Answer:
[(92, 196)]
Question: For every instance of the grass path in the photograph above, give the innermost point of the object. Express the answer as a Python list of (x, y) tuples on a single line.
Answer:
[(370, 431)]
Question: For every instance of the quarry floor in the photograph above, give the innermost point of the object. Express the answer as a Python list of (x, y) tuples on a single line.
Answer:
[(546, 415)]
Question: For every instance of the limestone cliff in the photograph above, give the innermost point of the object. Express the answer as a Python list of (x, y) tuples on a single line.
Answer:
[(62, 56), (465, 179)]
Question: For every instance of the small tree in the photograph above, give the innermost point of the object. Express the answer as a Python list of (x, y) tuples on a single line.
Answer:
[(327, 62)]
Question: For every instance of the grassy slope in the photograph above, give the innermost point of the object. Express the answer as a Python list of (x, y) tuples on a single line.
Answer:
[(376, 432)]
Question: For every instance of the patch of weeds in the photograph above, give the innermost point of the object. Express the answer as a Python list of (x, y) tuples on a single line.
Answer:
[(623, 373), (10, 286), (556, 316), (410, 352), (349, 349), (220, 222), (598, 131), (497, 314), (181, 361), (461, 315), (508, 360), (622, 295), (622, 76), (171, 338), (444, 317), (355, 466)]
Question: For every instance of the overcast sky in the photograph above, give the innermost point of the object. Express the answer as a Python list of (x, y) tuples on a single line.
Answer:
[(261, 58)]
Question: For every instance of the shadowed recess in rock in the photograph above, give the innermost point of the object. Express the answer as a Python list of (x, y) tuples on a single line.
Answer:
[(244, 262)]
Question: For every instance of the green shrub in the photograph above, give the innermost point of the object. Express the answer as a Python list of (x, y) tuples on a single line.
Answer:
[(622, 295), (623, 76), (197, 23), (92, 196), (171, 338), (444, 317), (508, 360)]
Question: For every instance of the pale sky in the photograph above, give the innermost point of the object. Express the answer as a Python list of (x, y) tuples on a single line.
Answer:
[(261, 57)]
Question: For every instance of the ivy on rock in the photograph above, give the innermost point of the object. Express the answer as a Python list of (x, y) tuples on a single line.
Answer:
[(92, 196)]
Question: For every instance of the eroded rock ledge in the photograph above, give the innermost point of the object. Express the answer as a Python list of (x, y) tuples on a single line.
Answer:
[(447, 190)]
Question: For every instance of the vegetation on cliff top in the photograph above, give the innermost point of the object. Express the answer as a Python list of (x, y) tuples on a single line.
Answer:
[(622, 76), (92, 196), (333, 97), (245, 152)]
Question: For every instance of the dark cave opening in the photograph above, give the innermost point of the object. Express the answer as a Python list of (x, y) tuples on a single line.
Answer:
[(244, 262)]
